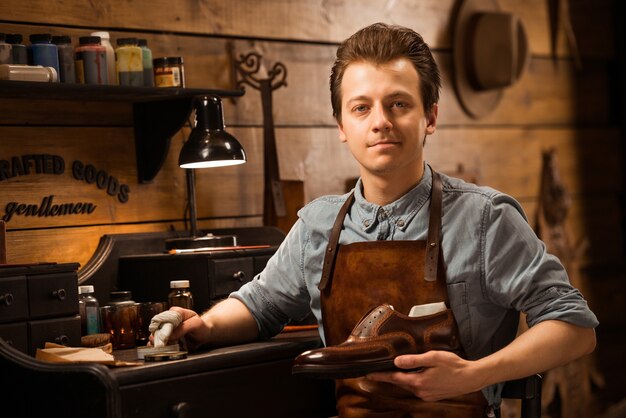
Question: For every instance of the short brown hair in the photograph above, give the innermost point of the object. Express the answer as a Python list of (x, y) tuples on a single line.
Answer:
[(380, 43)]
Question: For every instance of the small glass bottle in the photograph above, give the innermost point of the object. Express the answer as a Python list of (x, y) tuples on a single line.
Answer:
[(66, 58), (105, 41), (89, 310), (169, 72), (129, 62), (148, 69), (180, 294)]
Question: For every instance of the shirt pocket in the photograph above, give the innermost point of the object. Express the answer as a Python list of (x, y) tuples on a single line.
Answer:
[(458, 293)]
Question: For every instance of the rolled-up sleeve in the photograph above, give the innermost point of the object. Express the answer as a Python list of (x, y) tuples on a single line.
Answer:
[(279, 293), (520, 274)]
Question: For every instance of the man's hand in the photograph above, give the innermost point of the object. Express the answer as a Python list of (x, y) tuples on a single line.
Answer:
[(193, 328), (227, 323), (439, 375)]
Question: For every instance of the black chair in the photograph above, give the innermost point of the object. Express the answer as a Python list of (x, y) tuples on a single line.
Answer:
[(528, 390)]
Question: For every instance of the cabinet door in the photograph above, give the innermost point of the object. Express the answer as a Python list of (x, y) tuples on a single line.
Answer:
[(64, 331), (53, 295), (16, 335), (262, 390), (13, 299)]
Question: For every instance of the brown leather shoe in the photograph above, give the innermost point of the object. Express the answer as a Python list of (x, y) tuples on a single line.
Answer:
[(380, 336)]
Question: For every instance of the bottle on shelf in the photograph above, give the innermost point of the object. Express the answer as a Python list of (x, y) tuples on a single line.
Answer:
[(20, 72), (42, 51), (89, 310), (148, 70), (91, 61), (180, 295), (18, 49), (129, 62), (105, 41), (169, 72), (6, 54), (67, 69)]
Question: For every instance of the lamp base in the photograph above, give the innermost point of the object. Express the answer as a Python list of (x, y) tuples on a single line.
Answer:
[(206, 241)]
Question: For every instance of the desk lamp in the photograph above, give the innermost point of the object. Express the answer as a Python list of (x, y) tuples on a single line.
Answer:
[(209, 145)]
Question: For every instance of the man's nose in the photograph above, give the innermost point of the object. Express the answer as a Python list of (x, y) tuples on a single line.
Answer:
[(381, 119)]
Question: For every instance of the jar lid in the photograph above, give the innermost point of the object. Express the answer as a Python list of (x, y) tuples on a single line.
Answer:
[(61, 39), (142, 42), (177, 284), (102, 35), (165, 61), (3, 36), (14, 38), (40, 38), (127, 41), (85, 289), (120, 296), (85, 40)]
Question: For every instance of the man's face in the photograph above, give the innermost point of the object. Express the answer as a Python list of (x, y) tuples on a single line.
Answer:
[(382, 118)]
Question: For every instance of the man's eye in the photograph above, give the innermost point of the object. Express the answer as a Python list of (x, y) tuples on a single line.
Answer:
[(360, 108), (398, 104)]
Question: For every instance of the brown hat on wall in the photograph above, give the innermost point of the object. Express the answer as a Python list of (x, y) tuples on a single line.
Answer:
[(490, 52)]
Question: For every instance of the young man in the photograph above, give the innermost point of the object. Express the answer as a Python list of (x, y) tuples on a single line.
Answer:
[(384, 91)]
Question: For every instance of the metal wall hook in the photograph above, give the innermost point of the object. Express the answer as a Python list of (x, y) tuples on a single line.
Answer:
[(248, 67)]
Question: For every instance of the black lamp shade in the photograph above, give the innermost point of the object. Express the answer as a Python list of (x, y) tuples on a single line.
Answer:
[(209, 145)]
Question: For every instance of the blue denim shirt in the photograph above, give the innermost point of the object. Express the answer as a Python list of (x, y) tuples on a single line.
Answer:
[(496, 266)]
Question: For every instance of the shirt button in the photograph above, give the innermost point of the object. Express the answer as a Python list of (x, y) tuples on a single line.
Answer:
[(400, 223), (366, 223)]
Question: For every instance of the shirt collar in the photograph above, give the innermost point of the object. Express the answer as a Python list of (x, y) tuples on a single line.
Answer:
[(401, 211)]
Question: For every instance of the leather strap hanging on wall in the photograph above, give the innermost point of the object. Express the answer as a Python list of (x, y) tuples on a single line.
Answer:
[(281, 199)]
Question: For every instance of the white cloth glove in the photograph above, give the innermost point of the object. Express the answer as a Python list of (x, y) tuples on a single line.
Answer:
[(162, 325)]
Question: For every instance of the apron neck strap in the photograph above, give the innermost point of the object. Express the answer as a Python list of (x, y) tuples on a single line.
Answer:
[(434, 229), (432, 244)]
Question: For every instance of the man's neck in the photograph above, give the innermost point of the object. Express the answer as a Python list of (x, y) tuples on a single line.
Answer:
[(384, 189)]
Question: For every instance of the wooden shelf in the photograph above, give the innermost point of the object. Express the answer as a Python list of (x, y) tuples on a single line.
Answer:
[(158, 113)]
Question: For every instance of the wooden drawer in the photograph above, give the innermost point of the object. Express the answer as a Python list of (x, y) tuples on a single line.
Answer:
[(16, 335), (13, 299), (64, 331), (52, 295), (229, 275), (232, 393)]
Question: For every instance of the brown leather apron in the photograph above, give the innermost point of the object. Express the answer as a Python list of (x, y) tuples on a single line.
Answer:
[(362, 275)]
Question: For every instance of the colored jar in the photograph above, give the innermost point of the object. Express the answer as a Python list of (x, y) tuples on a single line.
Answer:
[(67, 73), (146, 58), (43, 51), (91, 61), (18, 49), (105, 41), (6, 55), (169, 72), (129, 62)]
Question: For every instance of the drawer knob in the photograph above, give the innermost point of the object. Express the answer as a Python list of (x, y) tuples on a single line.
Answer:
[(6, 299), (62, 339), (239, 276), (59, 294), (181, 410)]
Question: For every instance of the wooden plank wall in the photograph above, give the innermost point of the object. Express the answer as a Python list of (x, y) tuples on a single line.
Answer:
[(553, 105)]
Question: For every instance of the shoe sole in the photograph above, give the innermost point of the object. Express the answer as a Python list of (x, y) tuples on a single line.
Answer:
[(342, 371)]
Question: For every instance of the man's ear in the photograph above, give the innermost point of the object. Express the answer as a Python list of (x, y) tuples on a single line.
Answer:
[(342, 134), (431, 119)]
